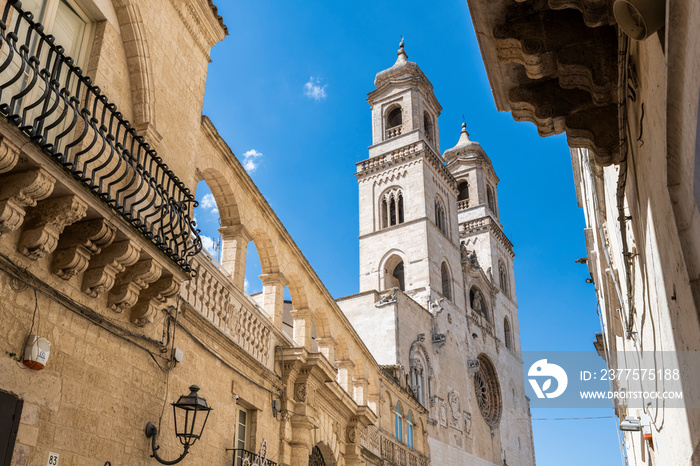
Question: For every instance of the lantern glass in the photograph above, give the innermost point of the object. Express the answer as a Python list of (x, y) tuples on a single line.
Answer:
[(191, 413)]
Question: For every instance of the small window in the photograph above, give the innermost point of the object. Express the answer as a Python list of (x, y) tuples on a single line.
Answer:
[(394, 118), (446, 282), (428, 125), (440, 220), (507, 334), (398, 424), (398, 274), (463, 189), (491, 199), (503, 280), (409, 431), (242, 431)]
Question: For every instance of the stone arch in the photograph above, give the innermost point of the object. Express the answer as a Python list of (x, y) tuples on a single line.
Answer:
[(223, 195), (389, 276), (477, 302), (420, 372), (266, 251), (394, 116), (446, 280), (326, 454), (138, 60), (297, 291)]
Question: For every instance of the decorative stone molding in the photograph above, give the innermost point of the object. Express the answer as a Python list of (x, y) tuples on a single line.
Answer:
[(9, 154), (595, 12), (47, 222), (104, 267), (300, 392), (78, 244), (20, 191), (127, 288), (153, 298)]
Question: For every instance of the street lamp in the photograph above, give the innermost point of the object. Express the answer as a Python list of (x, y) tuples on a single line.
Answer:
[(188, 426)]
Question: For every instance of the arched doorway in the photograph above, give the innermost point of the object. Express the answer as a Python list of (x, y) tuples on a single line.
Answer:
[(316, 457)]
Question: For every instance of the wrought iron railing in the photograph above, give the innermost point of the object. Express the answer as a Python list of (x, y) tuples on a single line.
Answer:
[(45, 94), (248, 458)]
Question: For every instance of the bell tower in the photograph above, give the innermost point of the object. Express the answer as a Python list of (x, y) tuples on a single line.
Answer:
[(481, 232), (408, 224)]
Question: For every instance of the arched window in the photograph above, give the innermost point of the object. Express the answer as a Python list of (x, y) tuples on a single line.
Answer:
[(491, 200), (507, 334), (463, 188), (420, 373), (440, 216), (391, 208), (394, 118), (418, 380), (398, 423), (398, 274), (503, 278), (428, 125), (409, 430), (446, 282)]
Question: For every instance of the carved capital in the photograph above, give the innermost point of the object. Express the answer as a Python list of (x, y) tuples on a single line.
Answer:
[(104, 267), (47, 222), (235, 232), (78, 244), (130, 283), (275, 278), (9, 154), (155, 296), (20, 191)]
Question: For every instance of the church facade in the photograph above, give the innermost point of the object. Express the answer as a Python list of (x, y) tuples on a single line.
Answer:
[(436, 305)]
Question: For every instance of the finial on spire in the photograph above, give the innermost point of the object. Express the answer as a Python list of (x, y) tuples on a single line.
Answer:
[(464, 121), (402, 57)]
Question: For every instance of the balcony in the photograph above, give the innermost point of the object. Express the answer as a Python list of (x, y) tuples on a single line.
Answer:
[(45, 96), (463, 205), (247, 458), (389, 449), (392, 132)]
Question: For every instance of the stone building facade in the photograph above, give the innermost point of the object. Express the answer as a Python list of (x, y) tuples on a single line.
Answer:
[(625, 90), (437, 305), (100, 259)]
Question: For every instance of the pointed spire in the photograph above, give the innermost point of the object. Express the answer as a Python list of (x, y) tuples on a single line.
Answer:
[(464, 137), (402, 57)]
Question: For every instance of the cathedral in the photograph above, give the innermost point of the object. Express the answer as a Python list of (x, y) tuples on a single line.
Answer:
[(437, 305)]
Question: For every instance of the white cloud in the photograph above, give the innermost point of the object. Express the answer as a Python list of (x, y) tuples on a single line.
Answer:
[(246, 285), (209, 203), (209, 244), (250, 162), (314, 90)]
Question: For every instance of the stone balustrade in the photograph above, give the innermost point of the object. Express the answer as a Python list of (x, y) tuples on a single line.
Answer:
[(392, 132), (213, 295), (463, 204)]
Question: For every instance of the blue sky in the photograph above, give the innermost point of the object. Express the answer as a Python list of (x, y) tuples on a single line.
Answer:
[(287, 90)]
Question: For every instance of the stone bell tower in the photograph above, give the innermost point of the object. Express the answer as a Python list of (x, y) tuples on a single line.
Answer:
[(481, 231), (408, 224)]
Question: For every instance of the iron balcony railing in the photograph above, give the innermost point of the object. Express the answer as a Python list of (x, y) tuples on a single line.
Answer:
[(248, 458), (48, 98)]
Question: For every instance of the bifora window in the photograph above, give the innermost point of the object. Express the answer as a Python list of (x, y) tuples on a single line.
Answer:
[(503, 278), (440, 216), (391, 208)]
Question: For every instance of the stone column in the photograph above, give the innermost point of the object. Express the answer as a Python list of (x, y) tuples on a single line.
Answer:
[(327, 347), (234, 246), (302, 327), (359, 387), (273, 296), (345, 374), (373, 402)]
